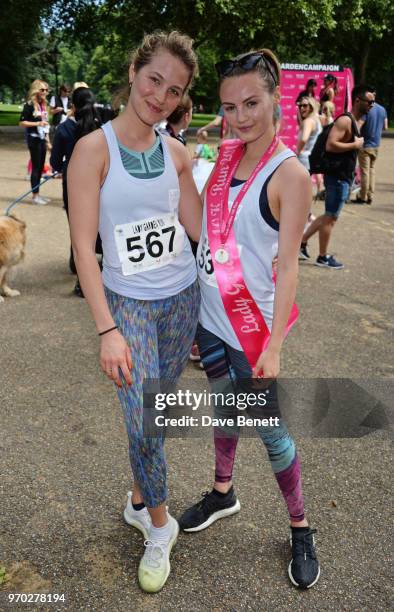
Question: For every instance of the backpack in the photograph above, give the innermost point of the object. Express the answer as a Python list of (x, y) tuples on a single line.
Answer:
[(322, 162)]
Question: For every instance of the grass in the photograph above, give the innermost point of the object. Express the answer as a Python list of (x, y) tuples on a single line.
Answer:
[(10, 113)]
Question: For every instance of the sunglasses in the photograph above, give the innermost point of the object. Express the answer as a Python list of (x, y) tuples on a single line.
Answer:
[(369, 102), (44, 90), (303, 106), (247, 62)]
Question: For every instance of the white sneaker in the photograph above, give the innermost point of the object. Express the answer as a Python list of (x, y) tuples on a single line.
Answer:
[(39, 200), (140, 519), (46, 199), (155, 565)]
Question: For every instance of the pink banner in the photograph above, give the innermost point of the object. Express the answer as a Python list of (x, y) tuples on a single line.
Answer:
[(294, 79)]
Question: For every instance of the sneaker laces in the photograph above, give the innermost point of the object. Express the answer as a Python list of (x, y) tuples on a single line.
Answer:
[(154, 552), (303, 544), (206, 500)]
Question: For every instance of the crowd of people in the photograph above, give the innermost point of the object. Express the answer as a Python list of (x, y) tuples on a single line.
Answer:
[(350, 137), (129, 194)]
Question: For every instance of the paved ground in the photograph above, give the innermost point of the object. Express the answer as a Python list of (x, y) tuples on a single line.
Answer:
[(63, 447)]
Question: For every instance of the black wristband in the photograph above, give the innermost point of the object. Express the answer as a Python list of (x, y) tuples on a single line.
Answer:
[(108, 330)]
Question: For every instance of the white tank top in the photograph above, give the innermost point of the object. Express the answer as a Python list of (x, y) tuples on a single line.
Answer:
[(147, 254), (257, 241)]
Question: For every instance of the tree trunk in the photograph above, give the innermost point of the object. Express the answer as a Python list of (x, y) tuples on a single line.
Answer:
[(363, 61)]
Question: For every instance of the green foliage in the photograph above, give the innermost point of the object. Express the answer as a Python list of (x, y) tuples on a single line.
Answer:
[(96, 36), (3, 575)]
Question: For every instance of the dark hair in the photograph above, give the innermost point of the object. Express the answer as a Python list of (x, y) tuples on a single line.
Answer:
[(85, 113), (64, 87), (184, 107), (179, 45), (361, 90), (311, 83), (260, 68)]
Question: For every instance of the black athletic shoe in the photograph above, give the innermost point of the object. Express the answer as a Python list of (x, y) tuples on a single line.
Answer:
[(359, 200), (304, 569), (328, 261), (71, 263), (208, 510), (304, 253), (78, 290)]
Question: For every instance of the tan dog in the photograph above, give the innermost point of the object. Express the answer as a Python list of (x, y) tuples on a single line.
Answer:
[(12, 244)]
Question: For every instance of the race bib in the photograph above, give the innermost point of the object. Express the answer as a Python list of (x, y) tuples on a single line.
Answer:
[(204, 263), (149, 244)]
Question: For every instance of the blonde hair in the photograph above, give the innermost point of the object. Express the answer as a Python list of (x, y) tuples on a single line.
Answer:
[(329, 107), (35, 87), (78, 84), (313, 104)]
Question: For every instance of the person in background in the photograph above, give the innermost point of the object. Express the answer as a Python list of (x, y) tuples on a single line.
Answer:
[(309, 129), (329, 89), (60, 105), (82, 120), (34, 118), (308, 92), (343, 143), (179, 120), (327, 112), (308, 133), (202, 150), (375, 123)]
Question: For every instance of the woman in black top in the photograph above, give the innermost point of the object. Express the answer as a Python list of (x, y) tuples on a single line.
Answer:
[(83, 120), (34, 117)]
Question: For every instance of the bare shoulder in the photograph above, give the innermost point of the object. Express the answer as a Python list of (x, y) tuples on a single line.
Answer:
[(291, 174), (178, 152), (343, 123), (92, 144)]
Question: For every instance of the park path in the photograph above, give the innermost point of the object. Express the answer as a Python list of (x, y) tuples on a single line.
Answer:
[(63, 446)]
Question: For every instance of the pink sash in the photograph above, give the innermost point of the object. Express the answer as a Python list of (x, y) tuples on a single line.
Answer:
[(244, 315)]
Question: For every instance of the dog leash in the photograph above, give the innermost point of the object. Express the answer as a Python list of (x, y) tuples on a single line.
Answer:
[(15, 202)]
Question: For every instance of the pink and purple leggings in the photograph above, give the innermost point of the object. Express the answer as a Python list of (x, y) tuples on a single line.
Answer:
[(221, 361)]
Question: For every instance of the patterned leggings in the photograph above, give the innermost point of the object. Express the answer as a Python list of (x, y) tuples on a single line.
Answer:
[(222, 362), (160, 335)]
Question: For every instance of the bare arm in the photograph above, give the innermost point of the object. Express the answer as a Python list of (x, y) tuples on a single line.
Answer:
[(27, 124), (307, 128), (292, 186), (386, 124), (190, 205), (85, 174), (217, 122), (338, 140)]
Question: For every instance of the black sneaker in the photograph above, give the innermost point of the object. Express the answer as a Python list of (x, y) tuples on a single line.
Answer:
[(304, 569), (328, 261), (359, 200), (304, 253), (78, 290), (71, 263), (208, 510)]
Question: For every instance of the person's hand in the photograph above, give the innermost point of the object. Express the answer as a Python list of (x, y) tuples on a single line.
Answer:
[(359, 142), (43, 123), (115, 354), (59, 109), (199, 131), (268, 364)]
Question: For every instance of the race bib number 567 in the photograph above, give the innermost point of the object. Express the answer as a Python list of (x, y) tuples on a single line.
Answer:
[(149, 244)]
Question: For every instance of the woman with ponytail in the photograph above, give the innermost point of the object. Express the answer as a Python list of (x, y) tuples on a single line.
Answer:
[(83, 120), (255, 207)]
